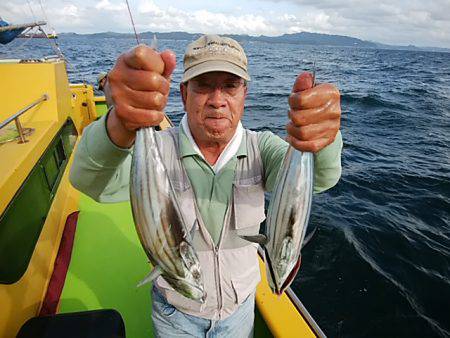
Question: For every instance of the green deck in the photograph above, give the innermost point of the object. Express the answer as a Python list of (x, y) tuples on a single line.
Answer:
[(101, 108), (107, 263)]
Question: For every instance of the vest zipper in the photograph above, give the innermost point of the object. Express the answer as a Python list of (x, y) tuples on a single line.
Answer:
[(207, 235), (215, 249), (217, 278), (216, 253)]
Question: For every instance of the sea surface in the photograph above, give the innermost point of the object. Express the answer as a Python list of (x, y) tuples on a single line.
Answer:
[(379, 264)]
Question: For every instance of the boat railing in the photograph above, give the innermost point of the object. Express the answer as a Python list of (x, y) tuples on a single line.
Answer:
[(299, 306), (17, 115)]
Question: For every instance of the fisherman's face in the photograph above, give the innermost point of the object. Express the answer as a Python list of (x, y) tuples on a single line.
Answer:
[(214, 103)]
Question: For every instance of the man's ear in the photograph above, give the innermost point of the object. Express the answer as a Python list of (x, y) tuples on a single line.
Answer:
[(183, 91)]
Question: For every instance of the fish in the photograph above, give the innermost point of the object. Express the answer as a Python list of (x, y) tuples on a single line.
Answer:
[(287, 219), (159, 222), (288, 216)]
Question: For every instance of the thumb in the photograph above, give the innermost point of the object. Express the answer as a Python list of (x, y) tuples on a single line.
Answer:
[(302, 82), (170, 62)]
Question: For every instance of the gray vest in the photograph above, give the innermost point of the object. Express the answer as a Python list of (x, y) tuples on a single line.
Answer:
[(230, 269)]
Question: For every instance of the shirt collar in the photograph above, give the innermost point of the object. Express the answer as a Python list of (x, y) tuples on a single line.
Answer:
[(186, 140), (242, 150)]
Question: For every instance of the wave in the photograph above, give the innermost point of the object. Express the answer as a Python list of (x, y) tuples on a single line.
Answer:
[(370, 101), (407, 294), (273, 95), (263, 77), (260, 107)]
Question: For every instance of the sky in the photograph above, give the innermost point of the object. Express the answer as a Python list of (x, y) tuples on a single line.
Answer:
[(400, 22)]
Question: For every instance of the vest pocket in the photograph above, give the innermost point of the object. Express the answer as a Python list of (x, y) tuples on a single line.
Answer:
[(176, 299), (160, 304), (246, 284), (240, 273), (248, 205)]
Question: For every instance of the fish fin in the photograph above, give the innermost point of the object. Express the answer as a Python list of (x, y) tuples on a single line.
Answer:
[(261, 239), (309, 237), (155, 273)]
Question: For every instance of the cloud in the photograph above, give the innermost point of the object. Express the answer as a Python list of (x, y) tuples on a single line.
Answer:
[(106, 5), (419, 22), (208, 21), (400, 22), (151, 17)]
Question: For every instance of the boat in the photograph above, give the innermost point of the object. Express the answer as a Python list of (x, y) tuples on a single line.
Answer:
[(38, 36), (10, 32), (41, 35), (69, 265)]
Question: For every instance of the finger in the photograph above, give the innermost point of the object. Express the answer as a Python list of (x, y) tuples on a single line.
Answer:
[(147, 81), (145, 58), (313, 131), (309, 146), (314, 97), (133, 117), (170, 63), (328, 111), (302, 82), (147, 100)]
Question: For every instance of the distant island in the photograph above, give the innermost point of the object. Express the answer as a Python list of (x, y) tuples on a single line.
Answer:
[(302, 38)]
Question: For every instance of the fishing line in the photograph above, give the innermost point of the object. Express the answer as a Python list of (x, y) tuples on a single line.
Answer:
[(56, 46), (43, 12), (53, 44), (314, 73), (132, 23), (31, 9), (45, 16)]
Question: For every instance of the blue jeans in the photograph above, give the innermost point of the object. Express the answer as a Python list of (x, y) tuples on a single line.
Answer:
[(168, 322)]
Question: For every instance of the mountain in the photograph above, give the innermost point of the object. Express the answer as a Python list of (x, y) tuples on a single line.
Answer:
[(306, 38), (302, 38)]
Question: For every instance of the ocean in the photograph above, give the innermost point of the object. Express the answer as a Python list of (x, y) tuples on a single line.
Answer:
[(379, 264)]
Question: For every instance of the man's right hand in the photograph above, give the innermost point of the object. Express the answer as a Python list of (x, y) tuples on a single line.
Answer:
[(139, 85)]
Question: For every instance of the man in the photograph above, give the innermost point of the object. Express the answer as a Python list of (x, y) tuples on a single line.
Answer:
[(221, 169), (101, 81), (101, 85)]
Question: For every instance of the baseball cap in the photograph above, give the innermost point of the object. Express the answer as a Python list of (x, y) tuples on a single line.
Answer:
[(214, 53), (100, 77)]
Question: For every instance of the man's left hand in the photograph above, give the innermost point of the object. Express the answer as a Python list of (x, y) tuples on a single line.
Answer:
[(315, 114)]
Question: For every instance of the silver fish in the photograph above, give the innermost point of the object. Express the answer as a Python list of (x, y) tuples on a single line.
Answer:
[(159, 222), (287, 218)]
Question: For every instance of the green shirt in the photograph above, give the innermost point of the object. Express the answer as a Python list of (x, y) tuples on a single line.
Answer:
[(101, 170)]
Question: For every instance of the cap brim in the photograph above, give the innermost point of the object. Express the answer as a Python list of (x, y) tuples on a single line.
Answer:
[(214, 66)]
